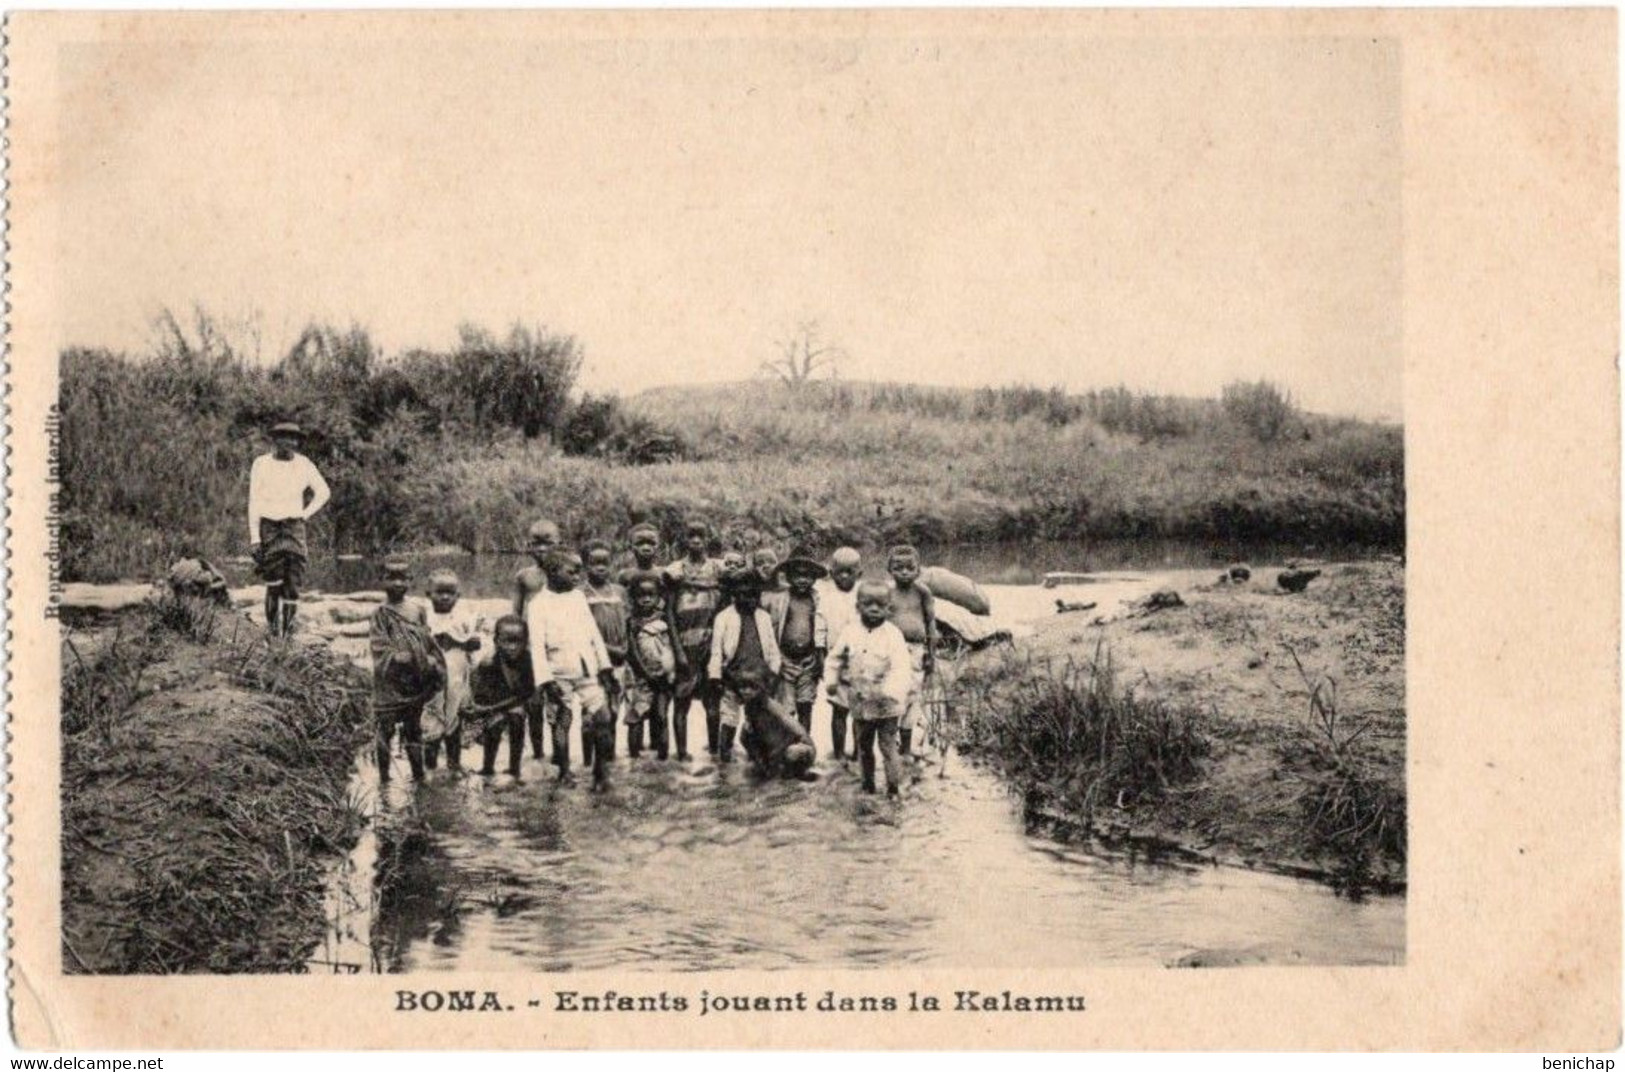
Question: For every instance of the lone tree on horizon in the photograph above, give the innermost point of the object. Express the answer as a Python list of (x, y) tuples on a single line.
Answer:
[(804, 354)]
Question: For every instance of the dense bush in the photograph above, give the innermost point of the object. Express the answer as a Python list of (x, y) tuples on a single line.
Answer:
[(1262, 408), (466, 447), (600, 426), (156, 447)]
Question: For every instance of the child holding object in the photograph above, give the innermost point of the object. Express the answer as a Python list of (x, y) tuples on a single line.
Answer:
[(652, 661), (871, 665), (915, 615), (571, 667), (455, 630), (502, 688), (408, 669)]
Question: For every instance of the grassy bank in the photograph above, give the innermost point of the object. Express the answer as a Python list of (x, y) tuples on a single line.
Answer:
[(466, 446), (204, 792), (1247, 725), (872, 464)]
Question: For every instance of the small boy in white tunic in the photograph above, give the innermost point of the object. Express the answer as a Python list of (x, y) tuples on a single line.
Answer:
[(871, 665), (571, 665)]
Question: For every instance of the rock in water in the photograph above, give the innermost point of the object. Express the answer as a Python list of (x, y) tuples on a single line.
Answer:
[(1296, 580), (1163, 599), (1240, 571)]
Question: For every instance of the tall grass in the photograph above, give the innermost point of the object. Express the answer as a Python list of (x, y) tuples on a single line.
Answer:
[(467, 446), (1352, 805), (1073, 736), (197, 822), (156, 446)]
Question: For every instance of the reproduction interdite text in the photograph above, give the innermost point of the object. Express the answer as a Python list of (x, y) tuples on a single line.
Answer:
[(707, 1003)]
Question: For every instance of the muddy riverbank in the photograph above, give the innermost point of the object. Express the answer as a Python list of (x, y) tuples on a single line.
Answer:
[(1299, 703), (204, 792)]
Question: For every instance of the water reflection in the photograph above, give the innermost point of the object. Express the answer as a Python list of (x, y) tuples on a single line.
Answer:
[(702, 869)]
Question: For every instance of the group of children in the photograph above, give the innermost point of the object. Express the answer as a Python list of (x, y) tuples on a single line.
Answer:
[(747, 637)]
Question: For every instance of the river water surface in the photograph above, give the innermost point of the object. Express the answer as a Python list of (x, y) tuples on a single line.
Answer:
[(695, 867)]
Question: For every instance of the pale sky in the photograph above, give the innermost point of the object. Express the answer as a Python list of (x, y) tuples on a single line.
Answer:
[(1166, 213)]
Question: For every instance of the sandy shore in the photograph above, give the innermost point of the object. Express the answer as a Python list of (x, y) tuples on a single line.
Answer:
[(1247, 658)]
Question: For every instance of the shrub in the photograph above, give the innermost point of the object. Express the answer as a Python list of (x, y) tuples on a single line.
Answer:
[(155, 448), (602, 427), (521, 382), (1261, 408)]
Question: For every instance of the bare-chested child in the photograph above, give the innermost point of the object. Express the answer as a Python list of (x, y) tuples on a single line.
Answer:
[(456, 630), (503, 688), (692, 598), (802, 633), (408, 669), (540, 541), (607, 601), (914, 613)]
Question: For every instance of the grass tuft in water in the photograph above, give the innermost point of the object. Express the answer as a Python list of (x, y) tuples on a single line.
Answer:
[(1071, 736)]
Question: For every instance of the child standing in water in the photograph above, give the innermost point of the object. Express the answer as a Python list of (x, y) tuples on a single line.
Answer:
[(540, 541), (455, 630), (914, 613), (607, 601), (407, 670), (571, 666), (503, 687), (870, 663), (693, 596), (837, 599), (744, 660), (651, 659), (802, 634)]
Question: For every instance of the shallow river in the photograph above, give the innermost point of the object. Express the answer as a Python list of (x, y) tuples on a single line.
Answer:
[(702, 868)]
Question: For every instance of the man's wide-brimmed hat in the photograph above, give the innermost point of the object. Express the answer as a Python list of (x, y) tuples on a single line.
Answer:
[(287, 428), (802, 560)]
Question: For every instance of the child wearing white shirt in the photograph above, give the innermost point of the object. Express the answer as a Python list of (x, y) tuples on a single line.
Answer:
[(837, 599), (870, 664), (572, 666)]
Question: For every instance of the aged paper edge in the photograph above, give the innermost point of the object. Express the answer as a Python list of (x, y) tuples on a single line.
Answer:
[(1511, 314)]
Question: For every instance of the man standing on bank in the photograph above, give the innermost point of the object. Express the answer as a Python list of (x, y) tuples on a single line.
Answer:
[(284, 491)]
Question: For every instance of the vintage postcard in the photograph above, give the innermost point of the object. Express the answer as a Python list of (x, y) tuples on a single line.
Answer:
[(880, 529)]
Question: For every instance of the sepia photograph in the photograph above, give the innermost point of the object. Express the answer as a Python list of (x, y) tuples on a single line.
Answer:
[(742, 510), (714, 571)]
